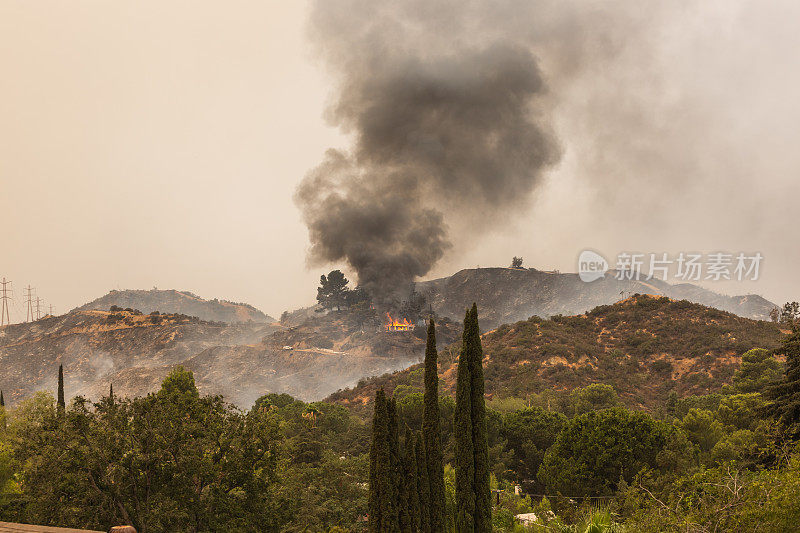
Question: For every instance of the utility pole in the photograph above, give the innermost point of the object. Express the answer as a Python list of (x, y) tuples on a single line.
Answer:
[(51, 310), (5, 315), (29, 297), (38, 308)]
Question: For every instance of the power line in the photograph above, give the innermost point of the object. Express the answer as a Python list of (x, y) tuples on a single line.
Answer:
[(5, 314), (29, 296)]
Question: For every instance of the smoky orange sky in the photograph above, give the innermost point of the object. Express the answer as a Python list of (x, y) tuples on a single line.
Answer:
[(159, 143)]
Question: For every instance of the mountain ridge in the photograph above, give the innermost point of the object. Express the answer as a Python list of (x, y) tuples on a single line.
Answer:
[(180, 302), (506, 295)]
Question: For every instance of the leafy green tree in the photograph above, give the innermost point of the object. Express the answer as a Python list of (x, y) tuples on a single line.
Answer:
[(332, 291), (431, 431), (701, 428), (516, 262), (742, 445), (758, 370), (593, 398), (785, 395), (473, 492), (529, 433), (596, 450), (172, 461), (741, 411)]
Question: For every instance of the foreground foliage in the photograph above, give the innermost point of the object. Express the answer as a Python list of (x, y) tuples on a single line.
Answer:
[(178, 461)]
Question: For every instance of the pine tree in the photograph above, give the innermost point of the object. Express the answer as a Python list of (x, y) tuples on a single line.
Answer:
[(473, 493), (786, 394), (423, 486), (61, 404), (432, 433), (410, 474)]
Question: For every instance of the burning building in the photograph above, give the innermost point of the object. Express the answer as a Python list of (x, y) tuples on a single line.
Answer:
[(394, 325)]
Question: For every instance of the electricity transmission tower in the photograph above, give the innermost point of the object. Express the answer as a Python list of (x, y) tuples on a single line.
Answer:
[(29, 297), (5, 315), (38, 308)]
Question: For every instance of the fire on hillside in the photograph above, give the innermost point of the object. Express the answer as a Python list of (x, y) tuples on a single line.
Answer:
[(397, 325)]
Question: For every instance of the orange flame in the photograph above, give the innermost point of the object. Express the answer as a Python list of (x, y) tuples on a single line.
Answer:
[(395, 325)]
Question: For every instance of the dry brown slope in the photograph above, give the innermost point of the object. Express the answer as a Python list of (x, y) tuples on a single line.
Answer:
[(134, 352), (96, 346), (644, 346)]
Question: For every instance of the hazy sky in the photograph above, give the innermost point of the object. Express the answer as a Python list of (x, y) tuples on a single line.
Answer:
[(159, 143)]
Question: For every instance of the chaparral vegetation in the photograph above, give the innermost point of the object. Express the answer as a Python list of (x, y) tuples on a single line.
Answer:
[(421, 460)]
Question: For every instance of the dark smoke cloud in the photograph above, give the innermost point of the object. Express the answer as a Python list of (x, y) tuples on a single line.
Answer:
[(448, 136)]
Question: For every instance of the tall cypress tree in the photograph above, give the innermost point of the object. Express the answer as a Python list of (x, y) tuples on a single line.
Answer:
[(378, 455), (423, 486), (483, 490), (2, 400), (432, 433), (473, 494), (398, 470), (61, 404), (410, 474), (394, 479), (462, 427)]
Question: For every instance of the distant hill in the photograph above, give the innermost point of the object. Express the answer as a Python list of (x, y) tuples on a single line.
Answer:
[(97, 347), (182, 302), (644, 346), (507, 295), (241, 361)]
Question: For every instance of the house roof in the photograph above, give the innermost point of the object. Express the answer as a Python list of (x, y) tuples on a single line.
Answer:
[(8, 527)]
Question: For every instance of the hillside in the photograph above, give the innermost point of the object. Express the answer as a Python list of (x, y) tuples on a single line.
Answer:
[(180, 302), (644, 346), (506, 295), (96, 346), (241, 361)]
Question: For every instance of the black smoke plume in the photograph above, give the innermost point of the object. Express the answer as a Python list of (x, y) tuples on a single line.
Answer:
[(448, 138)]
